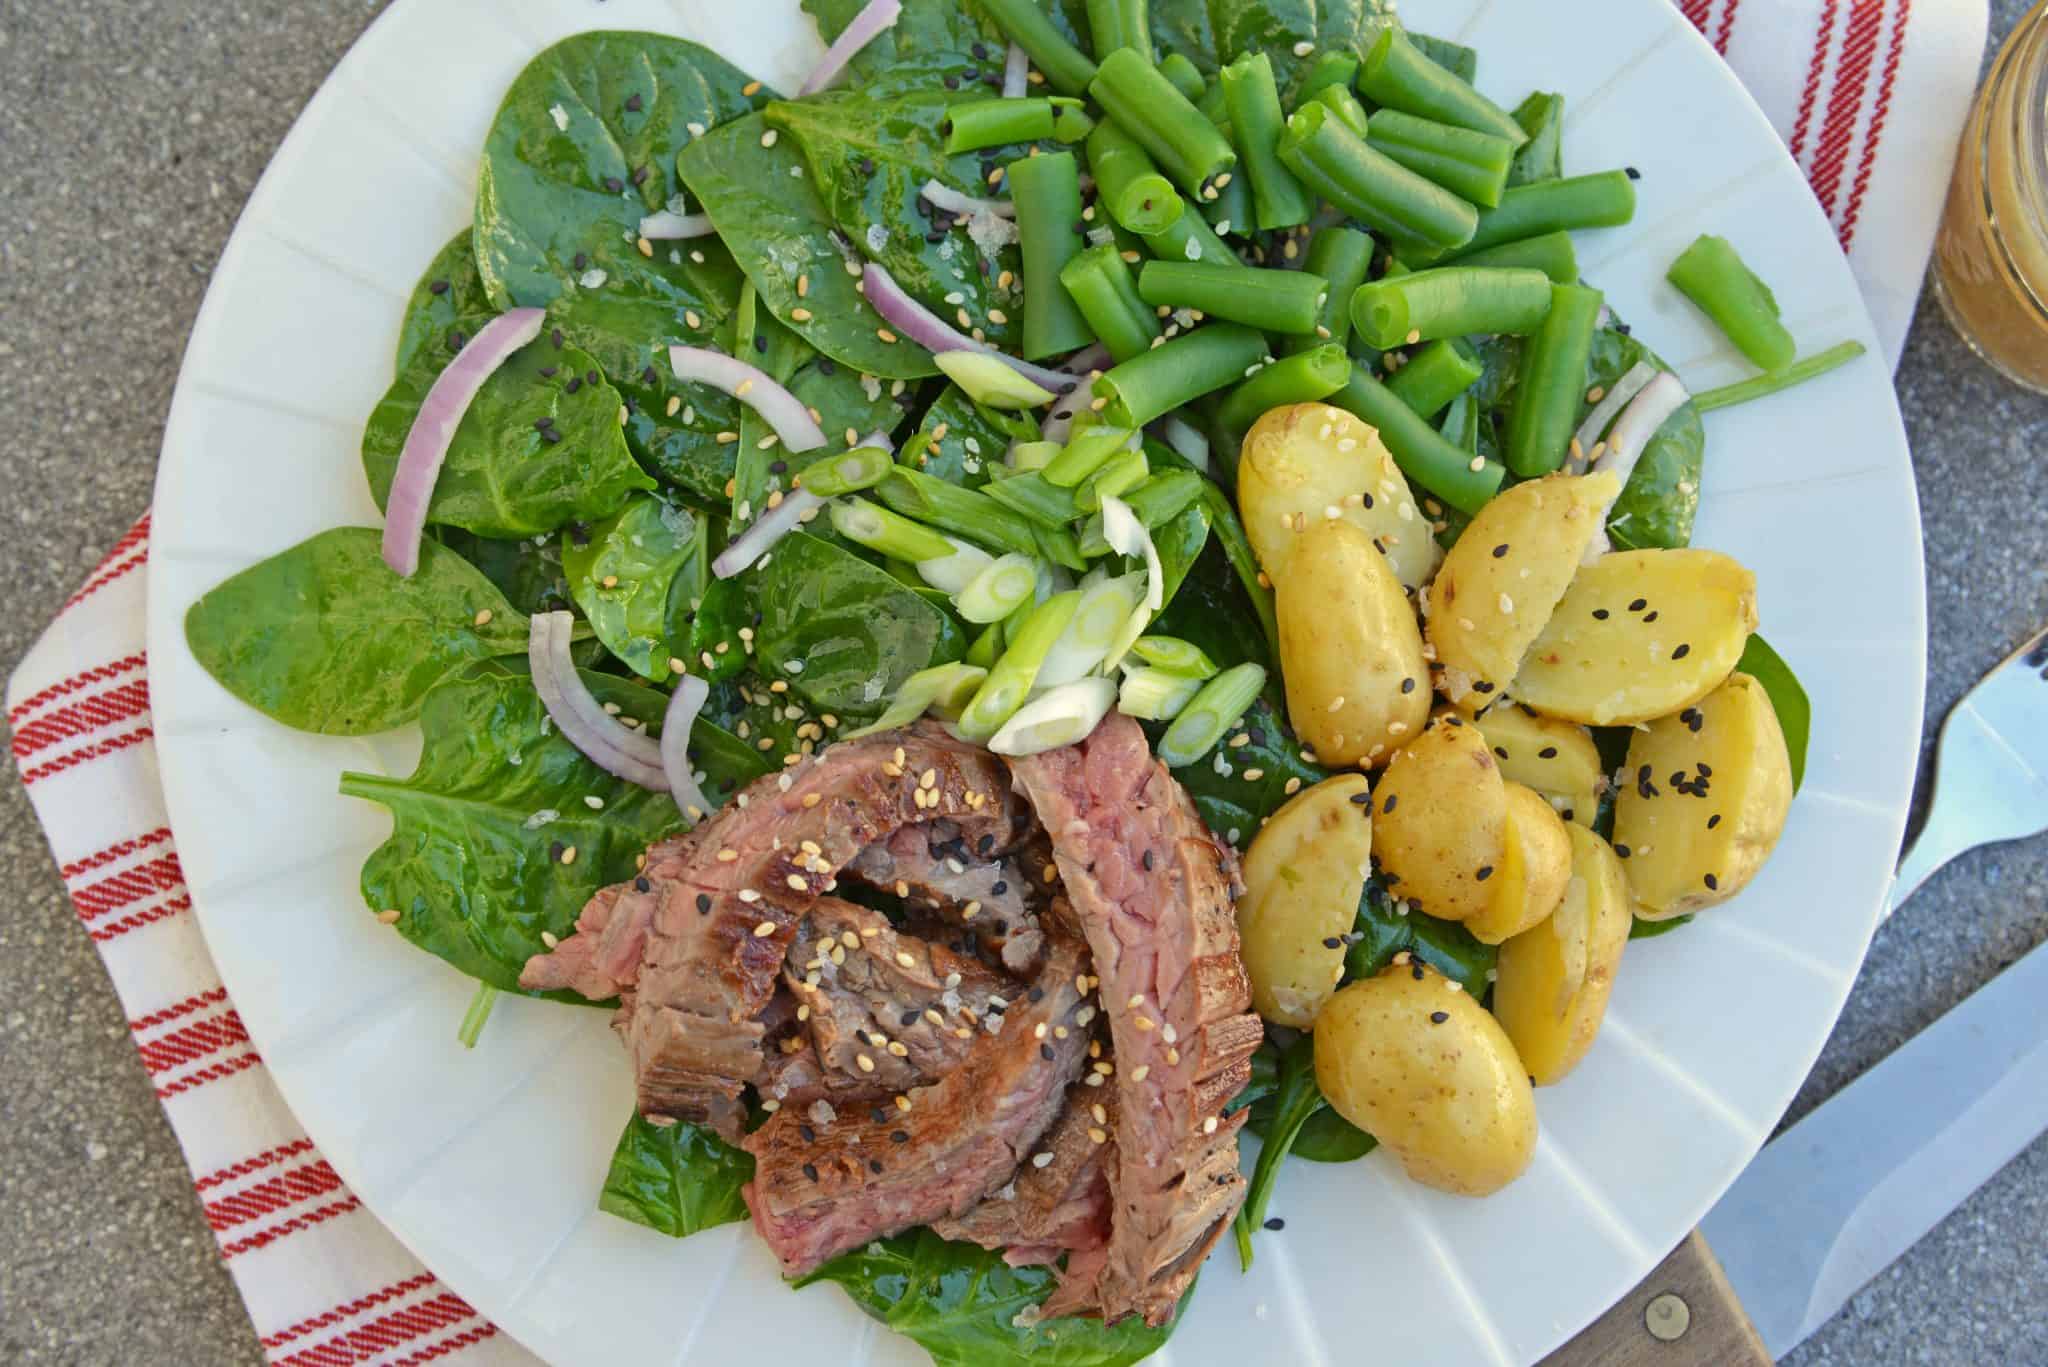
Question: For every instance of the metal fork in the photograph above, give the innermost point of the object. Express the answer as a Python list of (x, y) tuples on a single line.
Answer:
[(1991, 777)]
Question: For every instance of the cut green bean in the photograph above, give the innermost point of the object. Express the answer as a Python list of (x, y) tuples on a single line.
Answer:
[(1185, 75), (1129, 184), (1328, 69), (1337, 164), (1552, 253), (1461, 61), (885, 532), (1086, 452), (1342, 256), (1435, 375), (1010, 678), (991, 381), (1399, 75), (1026, 25), (1045, 503), (1231, 212), (1471, 165), (1190, 238), (1047, 193), (1253, 99), (1715, 277), (1184, 143), (1461, 479), (1155, 694), (969, 515), (1120, 474), (1114, 24), (974, 125), (1305, 377), (1339, 100), (1101, 286), (1542, 156), (846, 473), (1178, 372), (983, 652), (472, 1027), (1216, 707), (1606, 199), (998, 590), (1272, 300), (1175, 656), (1552, 385), (1032, 455), (1762, 386), (1452, 301)]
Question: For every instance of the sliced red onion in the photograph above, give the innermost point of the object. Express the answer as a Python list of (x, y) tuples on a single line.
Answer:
[(1059, 419), (604, 740), (1646, 413), (918, 323), (1187, 443), (767, 529), (868, 25), (779, 408), (1016, 73), (683, 706), (669, 226), (953, 202), (1611, 403), (1094, 356), (433, 428)]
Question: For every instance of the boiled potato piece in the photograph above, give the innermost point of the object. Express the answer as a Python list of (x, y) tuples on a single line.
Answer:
[(1639, 635), (1350, 650), (1427, 1071), (1556, 758), (1531, 878), (1442, 818), (1299, 462), (1509, 568), (1703, 800), (1553, 980), (1303, 877)]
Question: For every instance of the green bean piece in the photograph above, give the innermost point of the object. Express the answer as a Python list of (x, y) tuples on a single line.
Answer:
[(984, 651), (1305, 377), (1032, 494), (1087, 452), (1328, 69), (1253, 99), (975, 124), (1179, 372), (1184, 144), (1114, 24), (1473, 166), (1552, 253), (1214, 710), (1016, 669), (472, 1027), (1047, 193), (1026, 25), (1338, 165), (1435, 375), (886, 533), (1462, 480), (968, 514), (1271, 300), (1762, 386), (1175, 656), (1606, 199), (1542, 156), (1342, 256), (1552, 386), (1190, 238), (1399, 75), (846, 473), (1451, 301), (1715, 277), (1339, 100), (1129, 184), (1231, 212), (1185, 75), (1101, 286), (1456, 58), (1121, 473)]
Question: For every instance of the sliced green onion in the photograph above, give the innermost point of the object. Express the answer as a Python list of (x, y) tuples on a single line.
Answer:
[(479, 1011), (942, 688), (886, 533), (1172, 655), (848, 473), (1155, 695), (999, 590), (986, 647), (952, 572), (1088, 452), (1104, 608), (1031, 637), (1033, 455), (1203, 722), (1123, 472), (990, 382), (1030, 494), (1063, 716)]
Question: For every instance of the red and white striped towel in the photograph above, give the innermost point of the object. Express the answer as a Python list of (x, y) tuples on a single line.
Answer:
[(324, 1282)]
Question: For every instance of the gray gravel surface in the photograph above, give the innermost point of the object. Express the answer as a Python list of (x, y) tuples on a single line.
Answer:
[(135, 130)]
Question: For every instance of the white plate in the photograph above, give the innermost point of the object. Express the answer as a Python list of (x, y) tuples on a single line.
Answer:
[(488, 1163)]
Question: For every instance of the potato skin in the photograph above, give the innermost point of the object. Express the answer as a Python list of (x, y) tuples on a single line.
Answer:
[(1698, 841), (1303, 876), (1509, 568), (1448, 1097), (1556, 758), (1530, 881), (1441, 817), (1554, 979), (1605, 661), (1297, 462), (1348, 642)]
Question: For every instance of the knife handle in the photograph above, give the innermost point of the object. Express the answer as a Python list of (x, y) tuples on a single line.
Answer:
[(1684, 1314)]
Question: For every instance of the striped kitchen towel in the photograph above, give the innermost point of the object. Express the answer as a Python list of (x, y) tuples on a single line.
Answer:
[(324, 1282)]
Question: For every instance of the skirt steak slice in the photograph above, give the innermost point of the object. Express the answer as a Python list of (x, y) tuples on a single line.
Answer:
[(1061, 1207)]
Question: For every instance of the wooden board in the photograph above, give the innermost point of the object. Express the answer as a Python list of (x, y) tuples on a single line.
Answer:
[(1684, 1314)]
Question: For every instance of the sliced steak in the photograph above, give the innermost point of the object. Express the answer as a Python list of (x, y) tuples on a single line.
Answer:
[(1055, 1207), (940, 875), (818, 1192), (716, 912), (1152, 888)]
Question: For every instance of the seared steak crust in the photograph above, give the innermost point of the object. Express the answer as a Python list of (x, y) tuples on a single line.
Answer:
[(1061, 1207)]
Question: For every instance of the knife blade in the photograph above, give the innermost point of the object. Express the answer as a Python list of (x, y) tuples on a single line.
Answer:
[(1839, 1196)]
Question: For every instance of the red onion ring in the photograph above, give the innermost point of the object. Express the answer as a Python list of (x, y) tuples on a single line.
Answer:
[(779, 408), (683, 706), (1611, 403), (604, 740), (868, 25), (1016, 73), (767, 529), (919, 324), (953, 202), (1646, 413), (668, 226)]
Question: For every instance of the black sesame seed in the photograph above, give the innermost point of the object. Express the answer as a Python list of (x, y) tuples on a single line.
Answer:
[(778, 467), (1361, 799), (1633, 173), (1368, 500), (1045, 1052), (1036, 994), (899, 1137), (551, 437), (1408, 685), (1713, 883), (640, 175), (1566, 814), (580, 261), (1599, 614), (1000, 886), (456, 339), (875, 1166), (761, 344), (880, 1115), (952, 82), (909, 1018), (811, 1171), (556, 338), (1500, 551), (1482, 686), (438, 287), (1547, 752), (548, 372), (1638, 605), (555, 848), (703, 904), (642, 885), (810, 1135), (867, 167), (1392, 798), (1501, 751), (1681, 651), (1649, 617), (1147, 861), (1332, 942), (614, 184), (1485, 872), (1713, 821), (1621, 850), (1276, 1223), (574, 384), (1415, 970), (1439, 1017), (591, 377), (634, 104), (648, 376)]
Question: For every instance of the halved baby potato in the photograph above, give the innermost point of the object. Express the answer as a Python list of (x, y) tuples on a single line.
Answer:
[(1703, 800), (1504, 576), (1350, 650), (1553, 980), (1556, 758), (1303, 877), (1440, 823), (1639, 635), (1310, 463), (1535, 867)]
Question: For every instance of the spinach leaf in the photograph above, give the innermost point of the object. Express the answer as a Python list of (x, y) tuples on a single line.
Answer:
[(931, 40), (1230, 799), (1294, 1100), (324, 637), (712, 624), (1277, 27), (1650, 930), (527, 571), (1456, 58), (538, 447), (962, 1304), (1180, 543), (1211, 610), (1788, 699), (1542, 157), (1183, 26), (623, 572), (477, 865), (675, 1178), (843, 632), (957, 440), (1327, 1137), (449, 289), (1383, 931), (758, 453), (764, 205)]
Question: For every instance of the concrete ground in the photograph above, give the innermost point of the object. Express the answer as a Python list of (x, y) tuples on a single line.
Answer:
[(133, 132)]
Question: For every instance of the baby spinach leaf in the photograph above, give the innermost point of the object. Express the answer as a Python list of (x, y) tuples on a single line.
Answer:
[(1236, 787), (324, 637), (1650, 930), (957, 439), (1295, 1098), (623, 570), (1183, 26), (1278, 27), (527, 571), (1383, 931), (961, 1304), (1327, 1137), (778, 352), (1788, 699), (675, 1178), (711, 623), (449, 289), (538, 447), (1322, 1136), (1180, 543), (931, 40)]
